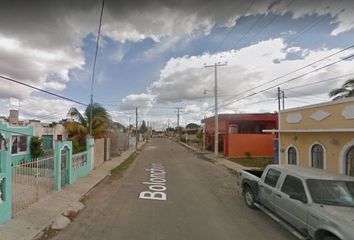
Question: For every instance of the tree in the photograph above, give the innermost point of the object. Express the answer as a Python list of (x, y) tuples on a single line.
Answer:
[(80, 128), (347, 90), (36, 147), (143, 128), (192, 126)]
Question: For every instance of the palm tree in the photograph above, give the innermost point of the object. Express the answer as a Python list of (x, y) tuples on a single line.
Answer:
[(347, 90), (79, 128)]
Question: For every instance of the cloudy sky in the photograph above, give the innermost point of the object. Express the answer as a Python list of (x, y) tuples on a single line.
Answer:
[(152, 55)]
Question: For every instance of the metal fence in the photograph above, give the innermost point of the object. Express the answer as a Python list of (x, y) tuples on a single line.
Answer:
[(1, 189), (79, 160), (31, 181)]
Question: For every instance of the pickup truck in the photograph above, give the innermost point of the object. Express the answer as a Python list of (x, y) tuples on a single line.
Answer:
[(312, 203)]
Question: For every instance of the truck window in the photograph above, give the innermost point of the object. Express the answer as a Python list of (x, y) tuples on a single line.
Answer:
[(272, 177), (293, 185)]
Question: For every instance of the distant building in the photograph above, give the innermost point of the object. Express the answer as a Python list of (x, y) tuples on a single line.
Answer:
[(320, 136), (242, 135), (19, 134)]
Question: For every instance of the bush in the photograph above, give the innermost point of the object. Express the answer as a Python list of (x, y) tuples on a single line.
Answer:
[(36, 147), (184, 140), (76, 146)]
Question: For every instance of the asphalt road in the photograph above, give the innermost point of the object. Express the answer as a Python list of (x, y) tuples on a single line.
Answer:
[(202, 203)]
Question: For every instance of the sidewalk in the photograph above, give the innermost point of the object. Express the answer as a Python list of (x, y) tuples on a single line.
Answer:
[(31, 221), (220, 160)]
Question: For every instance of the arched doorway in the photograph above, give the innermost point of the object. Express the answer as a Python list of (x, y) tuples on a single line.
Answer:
[(349, 161)]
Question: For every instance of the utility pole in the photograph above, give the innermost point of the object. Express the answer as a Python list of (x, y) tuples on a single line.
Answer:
[(178, 110), (279, 143), (283, 98), (216, 131), (94, 68), (136, 129)]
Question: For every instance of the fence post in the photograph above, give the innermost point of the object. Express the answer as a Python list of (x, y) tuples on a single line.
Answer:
[(6, 185), (57, 166), (90, 152)]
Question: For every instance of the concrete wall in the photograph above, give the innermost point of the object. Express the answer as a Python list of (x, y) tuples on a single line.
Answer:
[(99, 152), (107, 149), (329, 124), (119, 143), (334, 144), (40, 129), (338, 114), (16, 130), (258, 145)]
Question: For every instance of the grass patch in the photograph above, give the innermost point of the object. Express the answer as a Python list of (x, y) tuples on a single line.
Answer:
[(260, 162), (118, 171)]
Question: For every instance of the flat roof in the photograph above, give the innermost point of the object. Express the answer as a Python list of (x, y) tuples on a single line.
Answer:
[(244, 117), (329, 103), (309, 130), (312, 173)]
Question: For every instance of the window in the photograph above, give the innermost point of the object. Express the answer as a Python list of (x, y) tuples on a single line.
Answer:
[(272, 177), (332, 192), (292, 156), (233, 128), (19, 144), (317, 156), (60, 137), (350, 162), (293, 186)]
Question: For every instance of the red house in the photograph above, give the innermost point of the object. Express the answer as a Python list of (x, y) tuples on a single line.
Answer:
[(241, 135)]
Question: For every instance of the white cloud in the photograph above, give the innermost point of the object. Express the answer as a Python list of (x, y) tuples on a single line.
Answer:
[(142, 100), (44, 109), (183, 80), (43, 44)]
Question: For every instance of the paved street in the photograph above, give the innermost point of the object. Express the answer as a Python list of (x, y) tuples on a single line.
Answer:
[(202, 203)]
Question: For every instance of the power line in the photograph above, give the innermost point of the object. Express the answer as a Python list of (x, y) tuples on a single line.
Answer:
[(250, 29), (322, 81), (291, 72), (94, 64), (41, 90), (306, 29), (268, 24), (233, 27), (292, 79)]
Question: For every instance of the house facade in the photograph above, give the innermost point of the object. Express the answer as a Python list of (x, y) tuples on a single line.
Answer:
[(49, 132), (242, 135), (320, 136), (19, 135), (19, 138)]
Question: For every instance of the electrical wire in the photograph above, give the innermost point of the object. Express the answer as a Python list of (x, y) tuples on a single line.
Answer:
[(41, 90), (289, 80), (291, 72)]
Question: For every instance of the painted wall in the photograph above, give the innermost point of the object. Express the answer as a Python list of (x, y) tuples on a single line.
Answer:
[(339, 114), (321, 117), (99, 152), (8, 131), (258, 145), (40, 129), (335, 145)]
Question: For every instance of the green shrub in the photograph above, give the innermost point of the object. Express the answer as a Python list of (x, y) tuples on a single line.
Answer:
[(76, 146), (36, 147)]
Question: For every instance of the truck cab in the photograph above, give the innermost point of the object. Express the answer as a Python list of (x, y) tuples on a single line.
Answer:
[(317, 203)]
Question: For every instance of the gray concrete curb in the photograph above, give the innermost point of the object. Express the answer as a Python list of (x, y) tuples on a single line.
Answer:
[(29, 223)]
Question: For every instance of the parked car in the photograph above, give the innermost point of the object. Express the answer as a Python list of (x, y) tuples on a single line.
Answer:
[(316, 203)]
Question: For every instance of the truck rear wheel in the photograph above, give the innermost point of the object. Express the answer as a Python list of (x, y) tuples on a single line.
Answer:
[(249, 197)]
